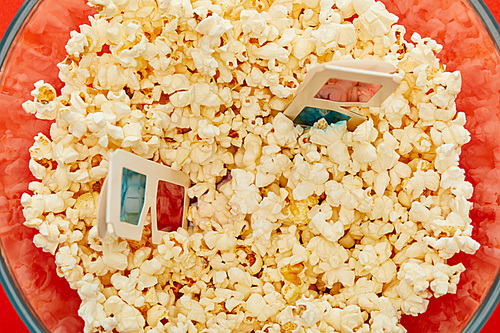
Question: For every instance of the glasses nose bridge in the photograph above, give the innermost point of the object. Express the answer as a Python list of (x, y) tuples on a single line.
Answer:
[(150, 195), (156, 234)]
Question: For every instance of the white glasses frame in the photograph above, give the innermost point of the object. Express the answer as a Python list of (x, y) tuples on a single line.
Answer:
[(366, 71), (110, 205)]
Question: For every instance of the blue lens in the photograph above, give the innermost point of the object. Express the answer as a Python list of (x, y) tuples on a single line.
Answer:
[(309, 115), (133, 188)]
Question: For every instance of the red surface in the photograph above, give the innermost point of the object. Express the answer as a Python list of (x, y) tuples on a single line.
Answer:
[(8, 317)]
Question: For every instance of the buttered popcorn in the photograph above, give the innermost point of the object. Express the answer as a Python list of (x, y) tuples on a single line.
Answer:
[(317, 230)]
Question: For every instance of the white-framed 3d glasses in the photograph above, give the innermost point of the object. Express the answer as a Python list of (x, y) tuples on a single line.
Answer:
[(135, 187), (330, 87)]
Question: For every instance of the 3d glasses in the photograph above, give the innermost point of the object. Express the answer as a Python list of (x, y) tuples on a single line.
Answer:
[(136, 187), (329, 87)]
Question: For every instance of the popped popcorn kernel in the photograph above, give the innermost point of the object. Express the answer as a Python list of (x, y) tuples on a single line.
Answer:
[(44, 93), (290, 273), (289, 327), (298, 210)]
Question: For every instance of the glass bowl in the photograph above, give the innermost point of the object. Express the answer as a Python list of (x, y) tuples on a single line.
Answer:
[(34, 44)]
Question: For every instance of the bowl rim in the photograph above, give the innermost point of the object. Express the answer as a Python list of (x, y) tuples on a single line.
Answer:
[(492, 298), (17, 296), (15, 28), (12, 289)]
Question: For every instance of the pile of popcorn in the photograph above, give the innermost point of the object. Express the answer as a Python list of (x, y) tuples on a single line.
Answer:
[(317, 230)]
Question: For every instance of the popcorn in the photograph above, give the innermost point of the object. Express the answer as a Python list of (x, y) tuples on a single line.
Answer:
[(330, 232), (386, 318), (115, 255), (448, 246), (254, 24), (46, 104), (256, 305), (77, 44), (454, 179), (86, 205), (302, 47), (445, 279), (291, 229), (248, 198), (346, 319), (128, 318), (306, 179)]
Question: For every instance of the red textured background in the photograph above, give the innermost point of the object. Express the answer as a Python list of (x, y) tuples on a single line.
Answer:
[(10, 321)]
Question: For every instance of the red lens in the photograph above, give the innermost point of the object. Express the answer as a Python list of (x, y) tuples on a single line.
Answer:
[(169, 206), (337, 90)]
